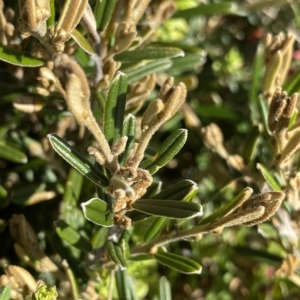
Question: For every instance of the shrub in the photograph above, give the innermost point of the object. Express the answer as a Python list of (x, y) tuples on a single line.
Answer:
[(103, 193)]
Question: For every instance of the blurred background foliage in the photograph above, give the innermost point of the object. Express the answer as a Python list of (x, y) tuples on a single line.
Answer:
[(240, 263)]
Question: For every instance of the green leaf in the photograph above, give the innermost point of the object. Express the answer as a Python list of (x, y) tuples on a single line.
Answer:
[(136, 216), (170, 147), (97, 211), (124, 286), (73, 188), (154, 229), (153, 189), (257, 74), (178, 262), (3, 197), (51, 19), (292, 85), (115, 108), (5, 292), (187, 63), (184, 190), (72, 236), (152, 53), (182, 45), (129, 130), (18, 58), (11, 152), (146, 68), (82, 42), (77, 160), (264, 111), (116, 255), (224, 210), (104, 11), (251, 144), (30, 194), (268, 231), (69, 211), (164, 289), (213, 111), (168, 208), (258, 255), (268, 176), (221, 8)]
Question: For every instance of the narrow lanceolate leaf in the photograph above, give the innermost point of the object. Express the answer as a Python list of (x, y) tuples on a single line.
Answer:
[(77, 160), (124, 286), (264, 111), (97, 211), (10, 152), (168, 208), (154, 189), (251, 144), (256, 82), (18, 58), (178, 262), (154, 229), (186, 63), (156, 66), (51, 19), (233, 204), (164, 289), (129, 130), (292, 85), (184, 190), (222, 8), (82, 42), (104, 10), (5, 292), (268, 176), (116, 255), (115, 108), (148, 53), (166, 152), (72, 236)]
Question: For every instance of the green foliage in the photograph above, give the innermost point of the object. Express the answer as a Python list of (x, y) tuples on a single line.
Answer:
[(5, 293), (145, 142), (18, 58)]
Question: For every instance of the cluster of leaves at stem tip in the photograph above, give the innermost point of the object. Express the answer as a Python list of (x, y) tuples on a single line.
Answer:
[(125, 68)]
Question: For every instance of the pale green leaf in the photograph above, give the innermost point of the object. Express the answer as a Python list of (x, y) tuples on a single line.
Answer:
[(178, 262), (82, 42), (152, 53), (77, 160), (5, 292), (18, 58), (97, 211), (268, 176), (72, 236)]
